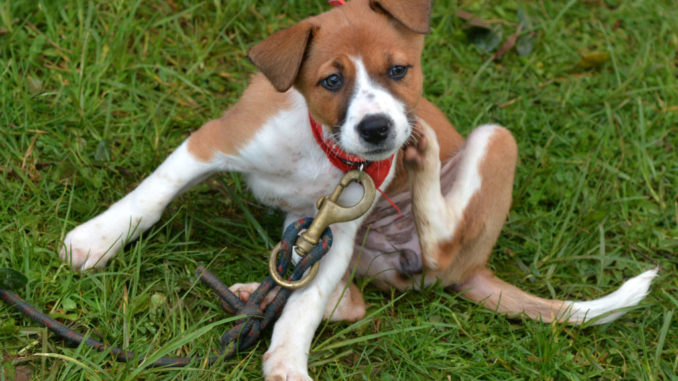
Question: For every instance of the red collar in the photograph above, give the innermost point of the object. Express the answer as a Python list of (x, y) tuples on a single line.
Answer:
[(378, 170)]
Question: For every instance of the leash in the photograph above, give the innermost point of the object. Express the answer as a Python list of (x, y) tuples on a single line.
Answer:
[(310, 238), (240, 337)]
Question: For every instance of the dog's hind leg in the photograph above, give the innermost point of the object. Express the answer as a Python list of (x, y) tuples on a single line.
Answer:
[(346, 302), (459, 226), (485, 288), (464, 206)]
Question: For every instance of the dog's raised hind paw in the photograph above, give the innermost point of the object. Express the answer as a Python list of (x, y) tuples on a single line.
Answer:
[(422, 155)]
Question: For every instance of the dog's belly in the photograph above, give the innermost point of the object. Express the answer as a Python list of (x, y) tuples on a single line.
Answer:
[(386, 246)]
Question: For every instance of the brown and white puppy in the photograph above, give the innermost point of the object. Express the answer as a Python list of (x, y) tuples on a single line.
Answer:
[(356, 71)]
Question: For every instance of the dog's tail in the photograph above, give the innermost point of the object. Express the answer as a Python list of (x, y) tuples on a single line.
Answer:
[(485, 288)]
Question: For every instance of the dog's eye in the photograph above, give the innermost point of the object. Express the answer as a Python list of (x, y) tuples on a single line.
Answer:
[(332, 82), (397, 72)]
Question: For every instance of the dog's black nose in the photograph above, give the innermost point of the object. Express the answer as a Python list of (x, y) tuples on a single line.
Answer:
[(375, 128)]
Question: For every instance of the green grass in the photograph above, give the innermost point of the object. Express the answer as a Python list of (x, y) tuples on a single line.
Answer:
[(94, 95)]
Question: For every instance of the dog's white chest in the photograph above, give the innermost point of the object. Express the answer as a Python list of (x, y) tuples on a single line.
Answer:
[(284, 166), (292, 188)]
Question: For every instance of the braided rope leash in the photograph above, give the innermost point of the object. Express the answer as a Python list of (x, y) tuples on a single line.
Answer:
[(240, 337)]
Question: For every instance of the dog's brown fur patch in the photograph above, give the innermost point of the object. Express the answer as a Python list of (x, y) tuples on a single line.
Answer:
[(239, 124)]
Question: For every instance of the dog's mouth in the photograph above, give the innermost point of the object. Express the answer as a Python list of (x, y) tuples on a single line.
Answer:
[(362, 149), (365, 153), (378, 154)]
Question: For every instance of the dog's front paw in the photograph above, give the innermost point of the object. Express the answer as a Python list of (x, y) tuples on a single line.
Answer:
[(280, 364), (93, 243), (89, 245), (288, 376)]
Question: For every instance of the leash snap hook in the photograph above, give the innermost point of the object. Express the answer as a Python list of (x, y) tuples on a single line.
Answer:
[(329, 212)]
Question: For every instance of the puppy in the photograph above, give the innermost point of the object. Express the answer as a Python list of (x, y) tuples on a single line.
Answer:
[(338, 91)]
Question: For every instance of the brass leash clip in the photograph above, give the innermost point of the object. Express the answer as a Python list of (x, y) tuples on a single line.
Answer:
[(329, 212)]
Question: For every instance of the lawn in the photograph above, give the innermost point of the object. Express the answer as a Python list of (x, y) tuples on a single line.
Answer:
[(93, 95)]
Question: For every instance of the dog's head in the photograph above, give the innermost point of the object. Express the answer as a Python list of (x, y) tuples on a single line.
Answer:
[(358, 67)]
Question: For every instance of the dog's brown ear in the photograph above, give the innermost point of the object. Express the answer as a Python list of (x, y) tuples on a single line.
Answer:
[(414, 14), (279, 56)]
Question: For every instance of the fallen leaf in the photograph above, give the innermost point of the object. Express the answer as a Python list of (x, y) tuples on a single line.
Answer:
[(64, 316), (465, 15), (510, 42), (11, 279), (508, 103), (485, 39), (593, 59), (472, 20), (68, 304)]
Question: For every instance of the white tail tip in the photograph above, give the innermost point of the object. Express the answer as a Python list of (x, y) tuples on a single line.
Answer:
[(629, 294)]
